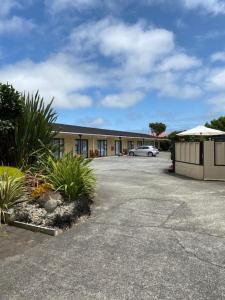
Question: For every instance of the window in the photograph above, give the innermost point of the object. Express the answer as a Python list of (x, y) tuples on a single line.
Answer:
[(81, 147), (102, 147), (130, 145), (58, 147), (139, 143)]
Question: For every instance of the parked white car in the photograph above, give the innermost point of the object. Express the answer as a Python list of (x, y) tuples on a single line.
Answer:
[(144, 151)]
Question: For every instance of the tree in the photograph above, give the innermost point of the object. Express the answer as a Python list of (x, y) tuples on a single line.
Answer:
[(11, 108), (173, 136), (157, 128), (218, 124)]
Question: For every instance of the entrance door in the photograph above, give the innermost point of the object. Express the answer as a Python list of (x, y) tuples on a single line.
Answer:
[(118, 147), (81, 147), (139, 143), (102, 147), (130, 145)]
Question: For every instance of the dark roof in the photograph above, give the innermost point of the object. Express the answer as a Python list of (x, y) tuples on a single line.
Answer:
[(96, 131)]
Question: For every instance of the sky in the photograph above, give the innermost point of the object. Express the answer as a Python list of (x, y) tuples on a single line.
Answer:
[(118, 64)]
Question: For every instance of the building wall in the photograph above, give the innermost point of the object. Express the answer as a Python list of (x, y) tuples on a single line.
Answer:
[(188, 152), (214, 160), (188, 160), (189, 170), (69, 142)]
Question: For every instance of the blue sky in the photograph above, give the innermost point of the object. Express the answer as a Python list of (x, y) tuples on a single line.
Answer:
[(118, 64)]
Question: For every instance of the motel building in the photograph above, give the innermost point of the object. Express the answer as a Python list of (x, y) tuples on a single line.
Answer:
[(96, 142)]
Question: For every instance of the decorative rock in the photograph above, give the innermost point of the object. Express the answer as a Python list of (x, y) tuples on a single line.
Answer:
[(51, 205), (29, 213), (50, 195)]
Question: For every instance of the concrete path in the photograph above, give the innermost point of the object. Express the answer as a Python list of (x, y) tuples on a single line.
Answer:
[(151, 236)]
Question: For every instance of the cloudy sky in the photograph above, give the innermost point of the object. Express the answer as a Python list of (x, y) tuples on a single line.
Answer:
[(118, 64)]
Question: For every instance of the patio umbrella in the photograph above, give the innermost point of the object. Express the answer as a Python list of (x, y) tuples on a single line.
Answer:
[(201, 131)]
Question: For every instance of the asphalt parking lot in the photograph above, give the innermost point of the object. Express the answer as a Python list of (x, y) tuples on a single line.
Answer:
[(152, 235)]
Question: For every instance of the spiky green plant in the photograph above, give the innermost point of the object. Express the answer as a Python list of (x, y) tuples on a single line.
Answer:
[(71, 175), (12, 192), (34, 130)]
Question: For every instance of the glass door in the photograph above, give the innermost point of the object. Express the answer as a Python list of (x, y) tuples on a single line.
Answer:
[(102, 147), (58, 148), (81, 147), (139, 143), (130, 145), (118, 147)]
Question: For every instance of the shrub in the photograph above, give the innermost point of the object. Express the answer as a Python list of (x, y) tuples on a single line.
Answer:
[(12, 191), (34, 130), (165, 145), (41, 189), (71, 175), (11, 108), (13, 172)]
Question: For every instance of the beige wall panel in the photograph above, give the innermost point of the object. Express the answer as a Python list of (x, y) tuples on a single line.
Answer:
[(197, 156), (212, 172), (177, 151), (189, 170), (187, 152), (182, 151), (209, 153), (220, 153), (124, 144), (192, 153), (111, 146)]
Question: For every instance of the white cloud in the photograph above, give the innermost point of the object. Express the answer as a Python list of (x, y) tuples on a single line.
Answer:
[(59, 77), (216, 79), (56, 6), (122, 100), (218, 56), (116, 40), (16, 24), (170, 85), (210, 6), (98, 122), (218, 103), (8, 5), (136, 65), (179, 62), (140, 59), (10, 22)]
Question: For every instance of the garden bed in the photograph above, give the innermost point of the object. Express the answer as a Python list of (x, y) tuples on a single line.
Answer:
[(32, 216), (48, 214)]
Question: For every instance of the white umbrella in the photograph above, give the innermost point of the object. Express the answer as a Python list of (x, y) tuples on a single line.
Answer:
[(201, 131)]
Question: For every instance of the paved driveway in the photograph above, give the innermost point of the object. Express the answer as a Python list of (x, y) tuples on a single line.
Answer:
[(151, 236)]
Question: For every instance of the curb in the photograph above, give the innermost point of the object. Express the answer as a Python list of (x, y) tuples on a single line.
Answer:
[(31, 227)]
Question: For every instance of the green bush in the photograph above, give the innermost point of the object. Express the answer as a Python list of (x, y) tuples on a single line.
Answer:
[(12, 191), (165, 145), (11, 108), (13, 172), (71, 175)]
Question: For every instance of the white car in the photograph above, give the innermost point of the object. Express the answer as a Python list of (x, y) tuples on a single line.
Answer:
[(144, 151)]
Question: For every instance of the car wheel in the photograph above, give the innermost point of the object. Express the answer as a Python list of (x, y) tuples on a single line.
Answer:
[(150, 154), (131, 153)]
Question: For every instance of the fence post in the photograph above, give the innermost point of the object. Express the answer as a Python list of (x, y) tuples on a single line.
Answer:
[(201, 153)]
